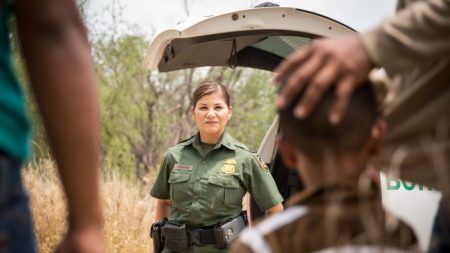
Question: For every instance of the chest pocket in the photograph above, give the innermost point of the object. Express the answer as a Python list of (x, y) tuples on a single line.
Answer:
[(224, 181), (226, 190), (178, 185)]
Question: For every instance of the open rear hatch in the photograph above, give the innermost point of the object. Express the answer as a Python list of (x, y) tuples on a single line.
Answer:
[(258, 38)]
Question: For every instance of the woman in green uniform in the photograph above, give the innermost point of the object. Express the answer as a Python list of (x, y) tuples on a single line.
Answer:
[(203, 179)]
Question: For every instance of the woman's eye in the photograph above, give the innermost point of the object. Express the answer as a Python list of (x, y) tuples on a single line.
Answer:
[(203, 108), (218, 107)]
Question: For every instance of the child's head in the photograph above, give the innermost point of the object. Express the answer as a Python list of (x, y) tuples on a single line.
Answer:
[(358, 133)]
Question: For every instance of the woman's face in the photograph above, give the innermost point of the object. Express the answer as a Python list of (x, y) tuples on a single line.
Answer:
[(211, 114)]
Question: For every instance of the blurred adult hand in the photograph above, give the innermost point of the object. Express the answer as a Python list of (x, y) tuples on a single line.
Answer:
[(83, 240), (341, 61)]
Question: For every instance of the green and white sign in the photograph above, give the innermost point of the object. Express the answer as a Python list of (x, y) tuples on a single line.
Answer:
[(415, 204)]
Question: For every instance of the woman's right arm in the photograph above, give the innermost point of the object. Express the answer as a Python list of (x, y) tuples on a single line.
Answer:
[(161, 210), (161, 188)]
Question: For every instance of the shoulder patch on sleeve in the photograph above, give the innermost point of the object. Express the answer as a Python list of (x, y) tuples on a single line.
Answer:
[(262, 163)]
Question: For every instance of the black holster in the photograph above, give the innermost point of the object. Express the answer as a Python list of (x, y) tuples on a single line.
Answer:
[(175, 237), (156, 235)]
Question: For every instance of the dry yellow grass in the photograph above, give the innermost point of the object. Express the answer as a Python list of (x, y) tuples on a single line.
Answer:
[(127, 209)]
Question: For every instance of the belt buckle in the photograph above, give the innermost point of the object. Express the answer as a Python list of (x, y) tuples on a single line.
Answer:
[(194, 237)]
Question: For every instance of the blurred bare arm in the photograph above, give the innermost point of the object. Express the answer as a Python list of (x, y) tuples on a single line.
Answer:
[(62, 75), (162, 208), (418, 34), (275, 209)]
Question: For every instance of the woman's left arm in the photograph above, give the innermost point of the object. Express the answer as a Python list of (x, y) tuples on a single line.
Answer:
[(275, 209), (262, 187)]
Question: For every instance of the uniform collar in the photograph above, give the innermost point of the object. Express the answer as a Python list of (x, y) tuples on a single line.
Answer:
[(226, 140)]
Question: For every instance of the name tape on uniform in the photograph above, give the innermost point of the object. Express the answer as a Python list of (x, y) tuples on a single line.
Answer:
[(182, 167)]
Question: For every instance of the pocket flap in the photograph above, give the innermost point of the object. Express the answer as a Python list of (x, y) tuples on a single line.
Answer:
[(227, 182), (178, 178)]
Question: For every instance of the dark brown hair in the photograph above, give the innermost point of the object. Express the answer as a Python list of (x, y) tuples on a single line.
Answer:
[(315, 135), (210, 87)]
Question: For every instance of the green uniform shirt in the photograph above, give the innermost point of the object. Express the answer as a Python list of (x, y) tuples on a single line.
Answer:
[(206, 189)]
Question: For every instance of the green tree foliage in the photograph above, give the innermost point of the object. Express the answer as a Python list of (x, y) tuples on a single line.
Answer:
[(120, 74), (254, 111)]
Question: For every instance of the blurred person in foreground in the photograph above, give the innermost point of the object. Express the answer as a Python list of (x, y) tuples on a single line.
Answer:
[(57, 55), (413, 47), (340, 207)]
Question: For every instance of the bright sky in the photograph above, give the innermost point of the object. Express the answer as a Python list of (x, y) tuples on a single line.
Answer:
[(161, 14)]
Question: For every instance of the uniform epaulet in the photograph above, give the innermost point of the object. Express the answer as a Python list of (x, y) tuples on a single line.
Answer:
[(185, 140), (240, 145)]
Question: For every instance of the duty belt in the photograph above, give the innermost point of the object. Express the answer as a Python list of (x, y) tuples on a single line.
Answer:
[(201, 236), (178, 237)]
